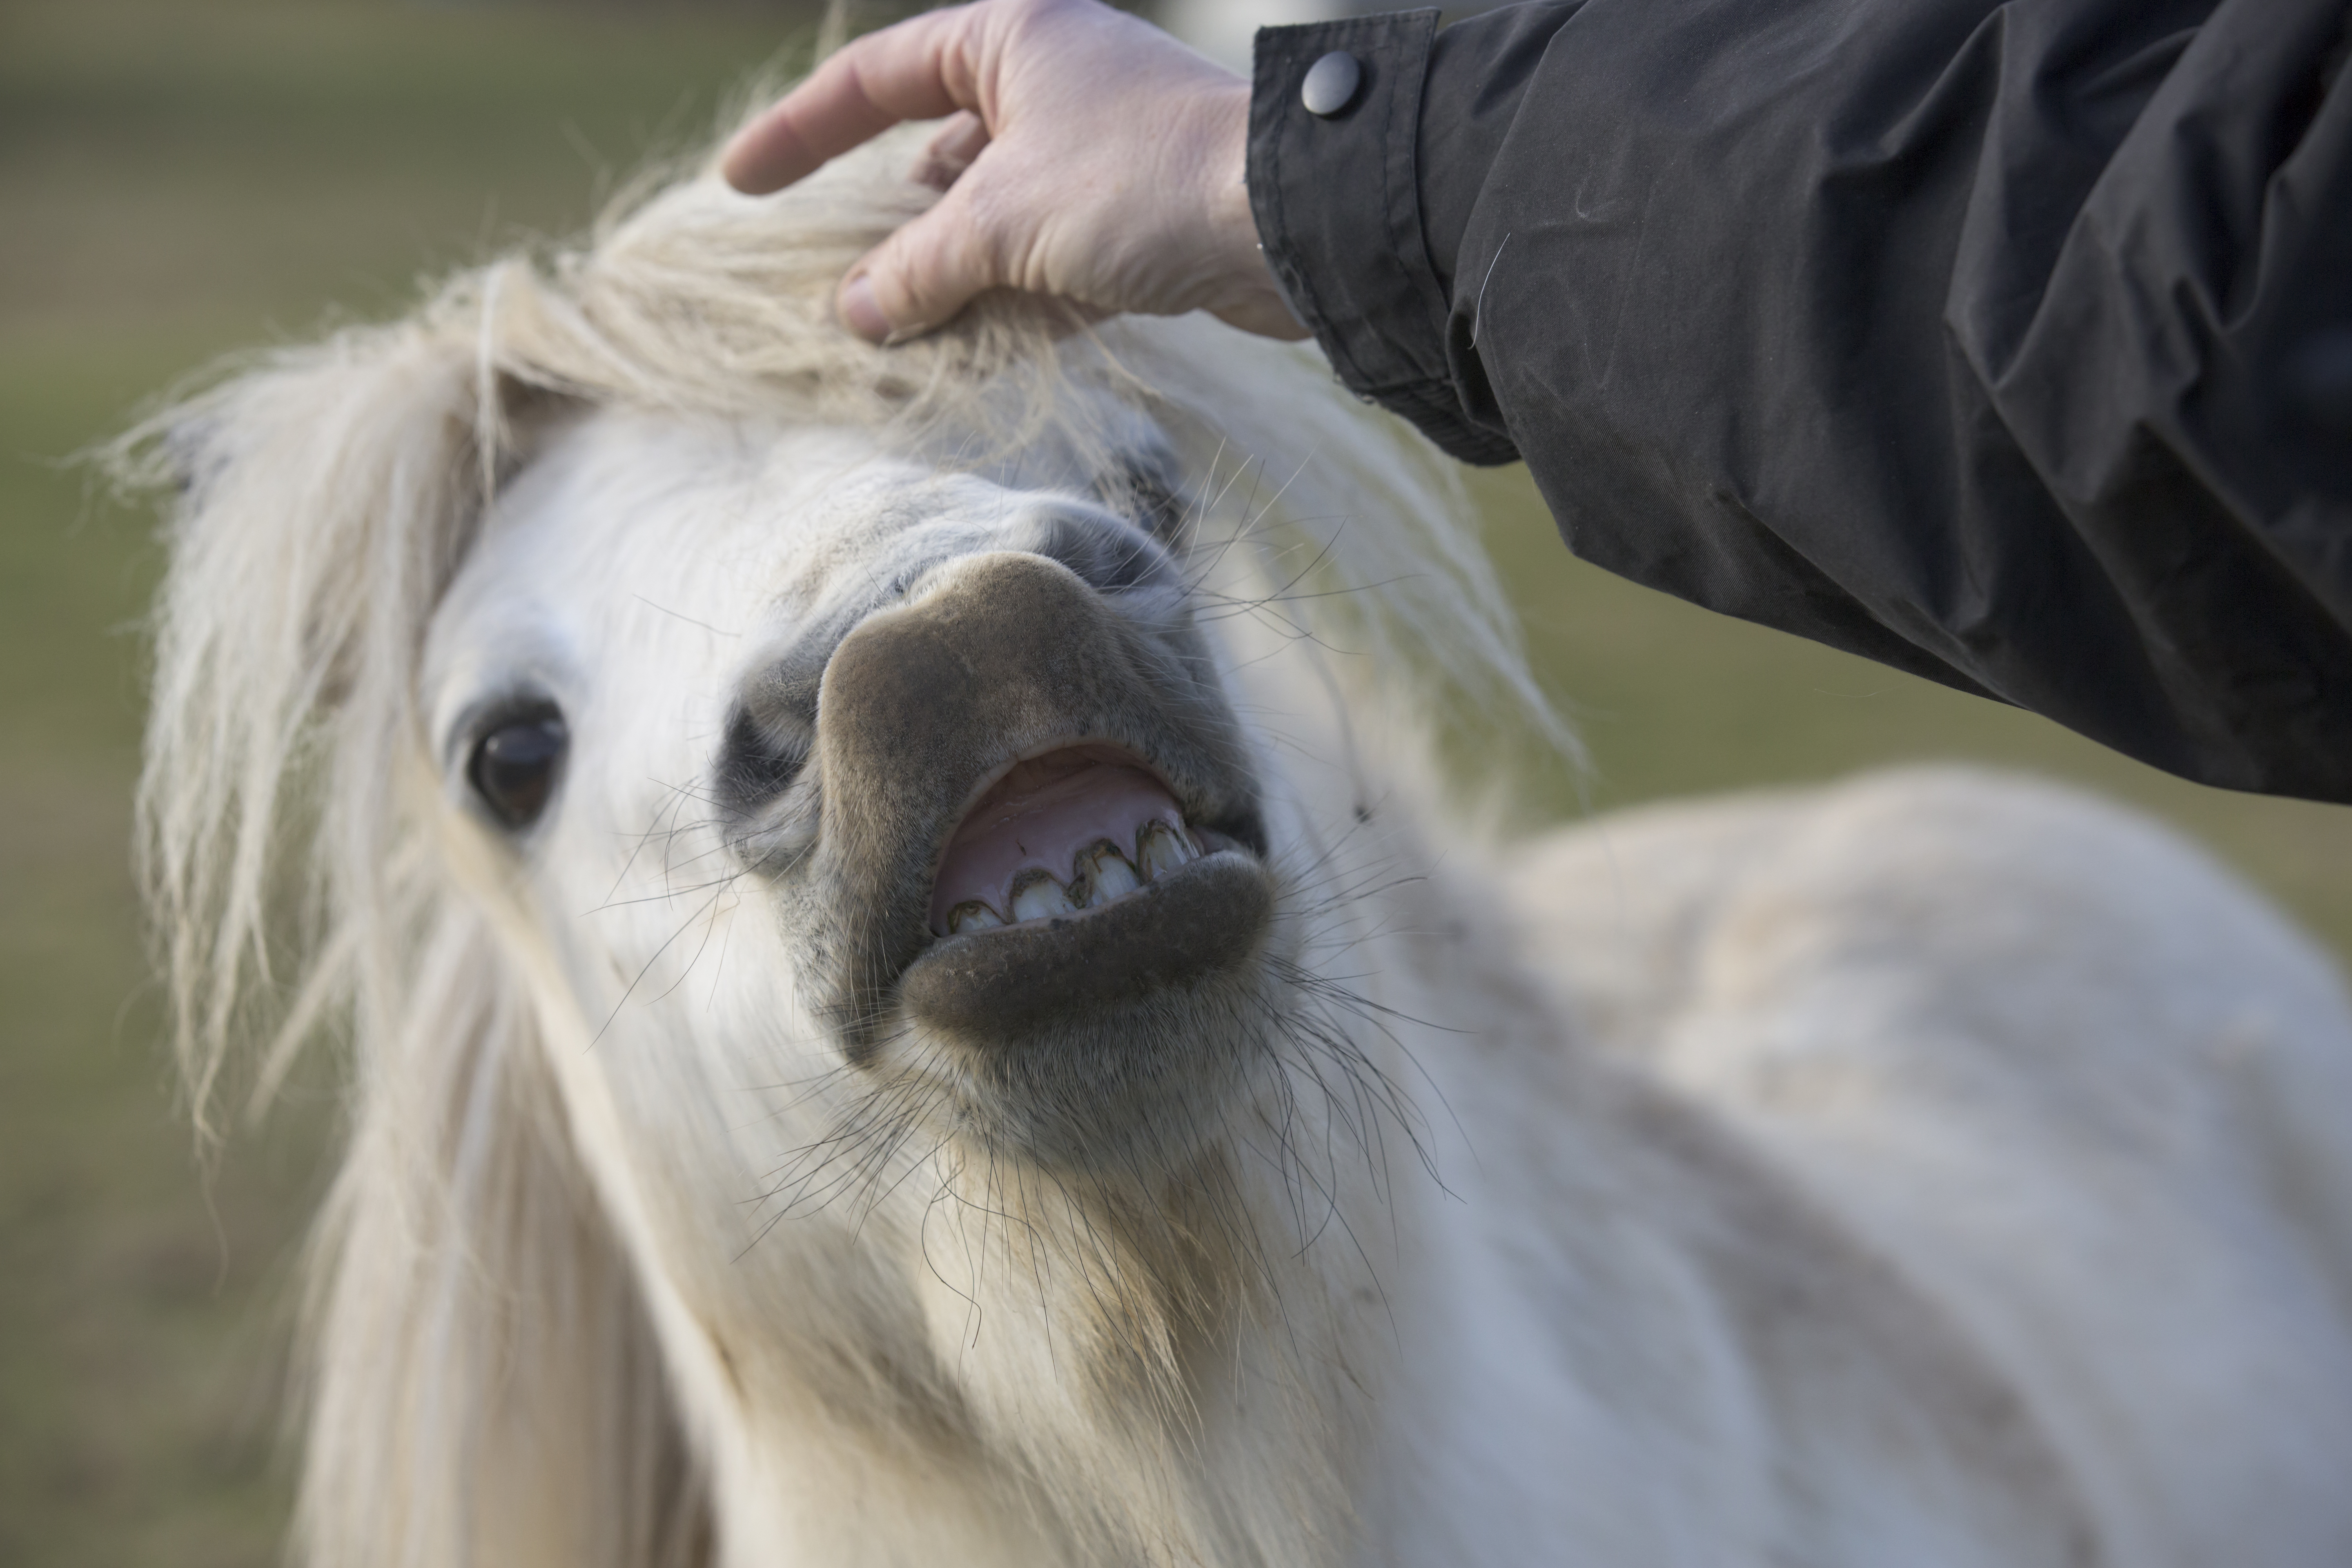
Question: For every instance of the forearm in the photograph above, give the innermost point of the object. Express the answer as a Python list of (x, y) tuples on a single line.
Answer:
[(1890, 326)]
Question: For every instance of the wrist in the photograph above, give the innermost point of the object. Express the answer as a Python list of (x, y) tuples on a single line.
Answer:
[(1244, 293)]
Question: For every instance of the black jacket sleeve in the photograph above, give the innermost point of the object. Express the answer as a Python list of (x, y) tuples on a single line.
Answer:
[(2008, 344)]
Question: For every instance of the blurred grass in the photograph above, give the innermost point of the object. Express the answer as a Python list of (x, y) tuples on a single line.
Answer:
[(183, 177)]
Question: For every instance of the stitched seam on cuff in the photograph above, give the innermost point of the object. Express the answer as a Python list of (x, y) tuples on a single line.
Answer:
[(1414, 33)]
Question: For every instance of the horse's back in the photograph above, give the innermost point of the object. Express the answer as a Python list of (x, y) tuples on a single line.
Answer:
[(2084, 1085)]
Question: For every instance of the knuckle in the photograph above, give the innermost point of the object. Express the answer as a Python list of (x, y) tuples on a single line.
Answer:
[(985, 226), (929, 273)]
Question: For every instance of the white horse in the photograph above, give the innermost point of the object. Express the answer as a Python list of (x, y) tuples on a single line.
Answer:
[(909, 999)]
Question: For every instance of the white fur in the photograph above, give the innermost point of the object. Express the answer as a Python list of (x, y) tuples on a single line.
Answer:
[(1937, 1170)]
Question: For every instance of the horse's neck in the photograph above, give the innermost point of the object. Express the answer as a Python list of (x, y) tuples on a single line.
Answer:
[(1626, 1307)]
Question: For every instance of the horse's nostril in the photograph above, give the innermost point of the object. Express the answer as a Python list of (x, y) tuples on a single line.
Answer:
[(1108, 552), (762, 757)]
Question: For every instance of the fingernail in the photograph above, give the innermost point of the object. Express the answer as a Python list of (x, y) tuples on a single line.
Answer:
[(863, 316)]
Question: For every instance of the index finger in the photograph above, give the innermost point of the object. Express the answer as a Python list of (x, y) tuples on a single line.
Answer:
[(916, 69)]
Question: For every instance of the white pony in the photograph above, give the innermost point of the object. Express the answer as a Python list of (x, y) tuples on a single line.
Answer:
[(907, 999)]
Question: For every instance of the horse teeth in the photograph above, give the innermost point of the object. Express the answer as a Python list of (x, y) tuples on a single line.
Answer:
[(1160, 847), (1036, 897), (1098, 874), (1106, 873), (971, 915)]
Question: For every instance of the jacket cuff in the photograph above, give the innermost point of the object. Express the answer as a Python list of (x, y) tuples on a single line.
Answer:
[(1337, 204)]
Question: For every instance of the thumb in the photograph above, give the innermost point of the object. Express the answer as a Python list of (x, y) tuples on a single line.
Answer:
[(922, 275)]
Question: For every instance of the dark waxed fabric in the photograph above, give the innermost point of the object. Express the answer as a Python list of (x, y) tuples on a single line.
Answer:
[(1993, 341)]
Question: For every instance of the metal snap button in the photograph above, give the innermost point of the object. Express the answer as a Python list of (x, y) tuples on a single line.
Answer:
[(1331, 84)]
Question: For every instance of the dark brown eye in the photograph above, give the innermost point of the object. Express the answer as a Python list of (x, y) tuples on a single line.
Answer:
[(514, 764)]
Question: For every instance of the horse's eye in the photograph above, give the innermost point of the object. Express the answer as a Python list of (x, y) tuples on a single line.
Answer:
[(515, 764)]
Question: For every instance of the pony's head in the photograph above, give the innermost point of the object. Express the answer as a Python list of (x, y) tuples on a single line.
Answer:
[(827, 860)]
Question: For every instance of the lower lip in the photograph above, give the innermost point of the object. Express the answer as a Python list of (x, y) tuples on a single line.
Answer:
[(997, 988)]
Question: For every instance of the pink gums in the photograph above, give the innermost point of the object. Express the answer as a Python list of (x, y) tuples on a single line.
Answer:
[(1039, 817)]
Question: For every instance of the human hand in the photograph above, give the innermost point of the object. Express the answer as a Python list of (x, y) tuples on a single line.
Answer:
[(1089, 156)]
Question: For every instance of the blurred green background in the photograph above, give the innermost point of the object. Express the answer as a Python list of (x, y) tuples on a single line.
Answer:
[(181, 179)]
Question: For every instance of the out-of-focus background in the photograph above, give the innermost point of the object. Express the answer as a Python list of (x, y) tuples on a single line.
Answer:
[(181, 178)]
